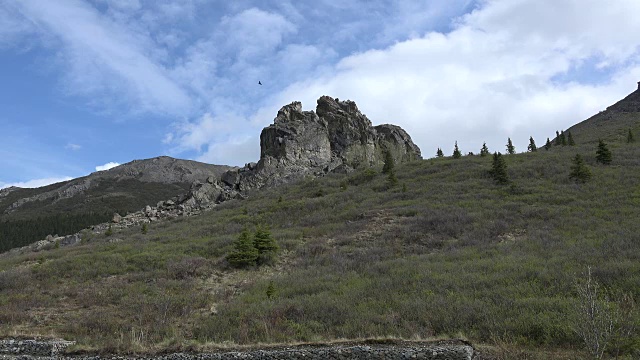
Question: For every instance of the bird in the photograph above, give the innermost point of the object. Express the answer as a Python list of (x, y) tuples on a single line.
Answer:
[(259, 83)]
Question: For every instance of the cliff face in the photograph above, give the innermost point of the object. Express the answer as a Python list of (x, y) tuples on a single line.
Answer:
[(336, 137)]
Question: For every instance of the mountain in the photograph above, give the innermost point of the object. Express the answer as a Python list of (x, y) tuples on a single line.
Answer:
[(27, 215), (613, 123), (519, 270)]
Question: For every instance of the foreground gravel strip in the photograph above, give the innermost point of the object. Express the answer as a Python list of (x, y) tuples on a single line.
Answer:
[(437, 350)]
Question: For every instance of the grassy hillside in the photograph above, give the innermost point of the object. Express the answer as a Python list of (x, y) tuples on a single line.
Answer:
[(446, 252)]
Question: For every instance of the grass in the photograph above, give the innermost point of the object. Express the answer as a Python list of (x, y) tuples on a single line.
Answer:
[(454, 254)]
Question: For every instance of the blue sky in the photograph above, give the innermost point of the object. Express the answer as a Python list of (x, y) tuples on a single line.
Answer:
[(89, 84)]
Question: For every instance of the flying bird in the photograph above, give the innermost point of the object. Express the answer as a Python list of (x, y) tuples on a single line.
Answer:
[(259, 83)]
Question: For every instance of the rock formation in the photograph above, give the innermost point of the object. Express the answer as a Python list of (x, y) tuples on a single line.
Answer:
[(337, 137)]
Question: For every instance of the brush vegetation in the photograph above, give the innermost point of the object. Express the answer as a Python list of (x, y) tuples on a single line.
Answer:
[(449, 253)]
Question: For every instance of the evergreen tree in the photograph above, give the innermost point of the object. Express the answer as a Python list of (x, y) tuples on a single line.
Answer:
[(532, 145), (485, 150), (439, 153), (109, 231), (579, 171), (245, 253), (392, 180), (271, 290), (547, 146), (389, 164), (499, 169), (558, 141), (563, 138), (630, 138), (145, 228), (603, 155), (456, 152), (570, 139), (510, 148), (265, 244)]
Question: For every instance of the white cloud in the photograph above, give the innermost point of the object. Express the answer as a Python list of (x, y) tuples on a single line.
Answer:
[(235, 151), (254, 32), (491, 78), (106, 59), (107, 166), (35, 183), (74, 147)]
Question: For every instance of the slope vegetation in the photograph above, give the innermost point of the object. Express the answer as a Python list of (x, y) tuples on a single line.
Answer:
[(453, 254)]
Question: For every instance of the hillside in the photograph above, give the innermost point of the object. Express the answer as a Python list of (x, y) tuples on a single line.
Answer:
[(444, 253), (28, 215)]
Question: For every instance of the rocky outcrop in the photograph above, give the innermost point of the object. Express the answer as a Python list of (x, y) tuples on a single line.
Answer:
[(336, 137)]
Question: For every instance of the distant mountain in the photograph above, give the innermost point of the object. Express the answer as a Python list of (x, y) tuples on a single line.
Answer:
[(613, 124), (27, 215), (125, 187)]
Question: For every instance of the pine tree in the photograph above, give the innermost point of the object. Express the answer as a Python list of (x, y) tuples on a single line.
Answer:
[(484, 151), (630, 138), (145, 228), (510, 148), (271, 290), (456, 152), (109, 231), (499, 169), (579, 171), (265, 244), (245, 253), (389, 164), (570, 139), (563, 138), (439, 153), (532, 145), (558, 141), (603, 155), (547, 146)]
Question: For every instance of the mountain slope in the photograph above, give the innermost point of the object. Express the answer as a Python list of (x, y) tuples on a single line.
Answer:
[(612, 124), (28, 215), (445, 253)]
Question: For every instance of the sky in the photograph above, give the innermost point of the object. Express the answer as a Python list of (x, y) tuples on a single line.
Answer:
[(86, 85)]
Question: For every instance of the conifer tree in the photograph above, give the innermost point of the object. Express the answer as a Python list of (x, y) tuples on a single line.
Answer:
[(484, 151), (439, 153), (145, 228), (558, 141), (532, 145), (456, 152), (630, 138), (603, 154), (570, 139), (547, 145), (563, 138), (245, 253), (499, 169), (109, 231), (510, 148), (392, 180), (579, 171), (389, 164), (271, 290), (265, 245)]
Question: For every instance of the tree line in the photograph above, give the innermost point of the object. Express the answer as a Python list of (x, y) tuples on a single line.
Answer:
[(17, 233)]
